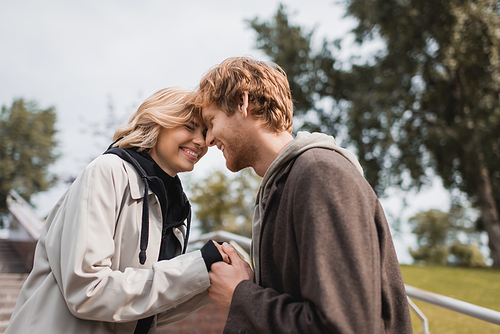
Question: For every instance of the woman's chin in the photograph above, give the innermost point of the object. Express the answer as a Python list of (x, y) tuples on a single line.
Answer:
[(188, 169)]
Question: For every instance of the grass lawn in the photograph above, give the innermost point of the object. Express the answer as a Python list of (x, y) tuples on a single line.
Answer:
[(476, 286)]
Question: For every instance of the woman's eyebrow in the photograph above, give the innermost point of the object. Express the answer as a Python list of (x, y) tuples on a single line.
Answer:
[(197, 125)]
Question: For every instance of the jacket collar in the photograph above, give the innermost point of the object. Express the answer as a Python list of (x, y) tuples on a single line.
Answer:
[(136, 185)]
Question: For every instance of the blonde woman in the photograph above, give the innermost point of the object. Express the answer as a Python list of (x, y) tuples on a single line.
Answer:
[(111, 257)]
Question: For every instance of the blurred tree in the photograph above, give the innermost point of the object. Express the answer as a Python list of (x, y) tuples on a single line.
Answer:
[(428, 102), (438, 236), (226, 203), (27, 143), (467, 255)]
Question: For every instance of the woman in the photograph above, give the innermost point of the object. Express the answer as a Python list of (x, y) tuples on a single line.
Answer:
[(109, 257)]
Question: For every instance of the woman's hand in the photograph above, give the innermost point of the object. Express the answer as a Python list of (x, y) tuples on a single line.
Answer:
[(225, 257)]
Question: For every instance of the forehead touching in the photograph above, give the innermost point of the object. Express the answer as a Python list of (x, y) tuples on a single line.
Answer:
[(209, 112), (197, 122)]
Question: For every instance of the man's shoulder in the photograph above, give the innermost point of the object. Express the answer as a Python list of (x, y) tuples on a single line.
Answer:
[(318, 167), (323, 159)]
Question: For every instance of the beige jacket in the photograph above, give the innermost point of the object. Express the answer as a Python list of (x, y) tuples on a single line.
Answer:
[(87, 277)]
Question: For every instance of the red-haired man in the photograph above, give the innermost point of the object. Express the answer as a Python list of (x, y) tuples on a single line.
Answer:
[(322, 252)]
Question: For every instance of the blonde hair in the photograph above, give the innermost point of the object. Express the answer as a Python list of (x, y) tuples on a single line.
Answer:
[(168, 108), (266, 84)]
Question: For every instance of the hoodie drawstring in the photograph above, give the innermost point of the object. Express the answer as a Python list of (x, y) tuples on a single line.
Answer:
[(145, 222)]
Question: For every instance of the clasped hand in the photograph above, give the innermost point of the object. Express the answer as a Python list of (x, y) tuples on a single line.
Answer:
[(225, 276)]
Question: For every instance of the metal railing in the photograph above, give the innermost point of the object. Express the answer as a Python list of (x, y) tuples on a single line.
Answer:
[(452, 304), (24, 223), (240, 243)]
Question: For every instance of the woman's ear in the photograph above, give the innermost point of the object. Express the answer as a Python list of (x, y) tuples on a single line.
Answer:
[(244, 104)]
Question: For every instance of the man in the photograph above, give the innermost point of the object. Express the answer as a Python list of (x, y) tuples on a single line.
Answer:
[(322, 252)]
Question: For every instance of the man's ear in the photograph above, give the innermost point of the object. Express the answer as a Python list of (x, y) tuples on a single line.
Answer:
[(244, 104)]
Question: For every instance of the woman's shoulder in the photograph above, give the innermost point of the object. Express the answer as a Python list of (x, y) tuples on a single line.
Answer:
[(107, 162), (107, 166), (112, 170)]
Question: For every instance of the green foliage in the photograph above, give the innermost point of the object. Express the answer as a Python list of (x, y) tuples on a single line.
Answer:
[(289, 46), (431, 227), (438, 235), (467, 254), (428, 101), (27, 143), (478, 286), (430, 255), (226, 203)]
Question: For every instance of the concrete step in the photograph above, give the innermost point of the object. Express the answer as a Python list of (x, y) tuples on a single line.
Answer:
[(10, 285), (13, 267), (10, 260), (14, 277), (3, 326), (5, 314), (9, 295), (7, 304)]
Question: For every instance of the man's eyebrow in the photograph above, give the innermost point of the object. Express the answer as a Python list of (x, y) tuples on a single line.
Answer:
[(207, 118)]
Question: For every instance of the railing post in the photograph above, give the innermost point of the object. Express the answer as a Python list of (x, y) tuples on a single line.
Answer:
[(420, 315)]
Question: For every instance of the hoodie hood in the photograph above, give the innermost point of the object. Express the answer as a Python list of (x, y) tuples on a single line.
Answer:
[(302, 142), (174, 204)]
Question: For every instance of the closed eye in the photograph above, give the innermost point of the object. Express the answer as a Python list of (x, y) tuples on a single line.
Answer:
[(191, 126)]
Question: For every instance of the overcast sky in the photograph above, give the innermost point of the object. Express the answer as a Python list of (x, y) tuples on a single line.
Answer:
[(80, 57)]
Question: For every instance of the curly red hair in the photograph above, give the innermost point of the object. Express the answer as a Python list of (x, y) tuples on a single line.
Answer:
[(266, 84)]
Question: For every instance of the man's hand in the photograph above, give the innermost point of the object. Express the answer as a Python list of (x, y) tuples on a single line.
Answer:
[(225, 277)]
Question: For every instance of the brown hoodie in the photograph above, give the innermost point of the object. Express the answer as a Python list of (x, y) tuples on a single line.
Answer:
[(325, 258)]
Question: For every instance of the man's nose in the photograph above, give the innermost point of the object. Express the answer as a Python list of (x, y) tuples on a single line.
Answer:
[(210, 139)]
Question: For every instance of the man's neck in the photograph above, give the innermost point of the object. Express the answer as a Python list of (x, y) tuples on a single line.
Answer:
[(271, 146)]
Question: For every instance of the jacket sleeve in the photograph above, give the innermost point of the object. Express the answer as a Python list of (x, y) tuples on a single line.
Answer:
[(339, 257), (183, 310), (85, 228)]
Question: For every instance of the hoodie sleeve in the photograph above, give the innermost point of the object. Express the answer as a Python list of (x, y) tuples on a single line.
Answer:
[(210, 254)]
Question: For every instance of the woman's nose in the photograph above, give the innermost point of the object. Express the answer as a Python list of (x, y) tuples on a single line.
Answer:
[(199, 140)]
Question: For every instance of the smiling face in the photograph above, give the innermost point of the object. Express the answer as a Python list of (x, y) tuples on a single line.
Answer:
[(178, 149), (231, 136)]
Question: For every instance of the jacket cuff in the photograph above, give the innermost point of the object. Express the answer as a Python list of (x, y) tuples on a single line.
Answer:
[(210, 254)]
